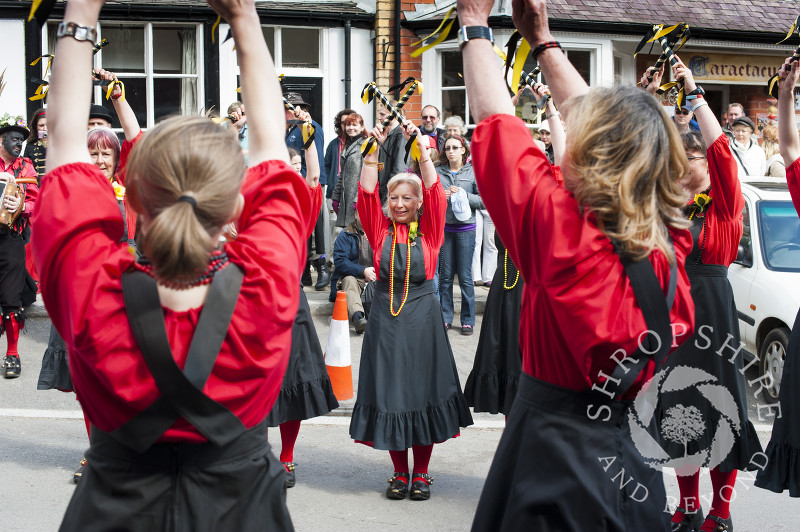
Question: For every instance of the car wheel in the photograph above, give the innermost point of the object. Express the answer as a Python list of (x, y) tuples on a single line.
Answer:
[(773, 353)]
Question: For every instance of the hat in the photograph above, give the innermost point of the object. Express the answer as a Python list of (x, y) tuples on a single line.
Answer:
[(294, 98), (685, 106), (429, 139), (13, 123), (98, 111), (13, 127), (460, 204), (543, 126), (744, 121)]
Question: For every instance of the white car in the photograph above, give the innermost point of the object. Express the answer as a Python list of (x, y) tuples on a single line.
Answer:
[(766, 275)]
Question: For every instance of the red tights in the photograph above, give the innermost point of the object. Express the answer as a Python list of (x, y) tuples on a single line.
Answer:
[(722, 484), (289, 432), (422, 457)]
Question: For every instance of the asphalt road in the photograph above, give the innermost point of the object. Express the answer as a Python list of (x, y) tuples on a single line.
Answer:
[(340, 484)]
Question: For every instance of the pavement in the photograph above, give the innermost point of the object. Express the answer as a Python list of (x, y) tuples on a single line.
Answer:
[(340, 484)]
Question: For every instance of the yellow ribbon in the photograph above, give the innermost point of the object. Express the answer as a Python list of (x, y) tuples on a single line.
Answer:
[(214, 28), (41, 92), (34, 6), (111, 89), (440, 38), (307, 130), (788, 34), (519, 62)]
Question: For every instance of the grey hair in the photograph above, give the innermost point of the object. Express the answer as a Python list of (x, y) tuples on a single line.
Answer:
[(456, 120), (398, 179)]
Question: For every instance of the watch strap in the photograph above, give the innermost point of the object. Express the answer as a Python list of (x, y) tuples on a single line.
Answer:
[(469, 33), (77, 32)]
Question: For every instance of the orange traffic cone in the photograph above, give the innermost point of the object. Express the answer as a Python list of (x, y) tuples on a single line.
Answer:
[(337, 353)]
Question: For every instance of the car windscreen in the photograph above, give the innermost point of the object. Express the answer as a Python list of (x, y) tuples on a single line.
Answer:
[(779, 229)]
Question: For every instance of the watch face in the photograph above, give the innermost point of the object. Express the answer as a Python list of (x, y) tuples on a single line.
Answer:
[(81, 33)]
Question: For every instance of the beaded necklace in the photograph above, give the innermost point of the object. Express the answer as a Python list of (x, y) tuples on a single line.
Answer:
[(505, 274), (218, 260), (391, 272)]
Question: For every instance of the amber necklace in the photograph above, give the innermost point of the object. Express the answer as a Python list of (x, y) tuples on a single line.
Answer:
[(505, 274), (391, 272)]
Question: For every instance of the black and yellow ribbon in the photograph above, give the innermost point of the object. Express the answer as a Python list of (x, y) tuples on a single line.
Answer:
[(515, 58), (671, 39), (41, 90), (445, 27), (371, 144), (772, 83), (41, 9), (371, 92)]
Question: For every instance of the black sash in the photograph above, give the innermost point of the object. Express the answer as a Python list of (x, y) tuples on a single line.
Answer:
[(655, 308), (181, 391)]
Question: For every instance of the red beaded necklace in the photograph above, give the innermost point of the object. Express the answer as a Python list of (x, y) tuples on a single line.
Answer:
[(391, 273), (217, 261)]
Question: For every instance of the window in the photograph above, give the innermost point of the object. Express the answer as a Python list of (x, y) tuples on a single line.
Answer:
[(151, 59), (454, 92), (745, 258), (293, 47)]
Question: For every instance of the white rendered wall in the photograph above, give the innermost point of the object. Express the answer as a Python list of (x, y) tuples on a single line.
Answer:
[(13, 99)]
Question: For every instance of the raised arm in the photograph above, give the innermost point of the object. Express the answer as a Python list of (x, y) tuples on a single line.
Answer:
[(127, 118), (709, 126), (261, 92), (369, 170), (313, 170), (788, 138), (558, 138), (70, 94)]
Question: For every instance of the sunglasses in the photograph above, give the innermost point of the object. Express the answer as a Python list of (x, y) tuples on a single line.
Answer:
[(682, 112), (696, 157), (453, 148), (425, 118)]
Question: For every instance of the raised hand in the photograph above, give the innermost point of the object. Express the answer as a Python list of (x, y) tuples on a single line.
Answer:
[(652, 86)]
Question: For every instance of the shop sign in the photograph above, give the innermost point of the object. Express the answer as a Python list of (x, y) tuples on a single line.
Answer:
[(733, 67)]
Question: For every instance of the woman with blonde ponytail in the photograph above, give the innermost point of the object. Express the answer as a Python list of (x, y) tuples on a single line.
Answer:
[(176, 359)]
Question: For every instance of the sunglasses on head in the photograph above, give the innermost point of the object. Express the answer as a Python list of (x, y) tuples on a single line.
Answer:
[(682, 111)]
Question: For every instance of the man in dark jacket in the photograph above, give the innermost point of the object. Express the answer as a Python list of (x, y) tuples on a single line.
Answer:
[(352, 257)]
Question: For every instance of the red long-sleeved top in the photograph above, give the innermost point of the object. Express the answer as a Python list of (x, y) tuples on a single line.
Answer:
[(793, 180), (81, 262), (578, 306), (723, 227)]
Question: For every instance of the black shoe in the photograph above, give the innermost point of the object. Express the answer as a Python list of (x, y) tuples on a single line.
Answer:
[(323, 275), (305, 280), (76, 476), (290, 478), (690, 523), (720, 524), (398, 489), (359, 322), (420, 489), (11, 367)]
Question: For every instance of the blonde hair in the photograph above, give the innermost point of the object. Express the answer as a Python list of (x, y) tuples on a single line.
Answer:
[(184, 156), (399, 179), (626, 159), (770, 143)]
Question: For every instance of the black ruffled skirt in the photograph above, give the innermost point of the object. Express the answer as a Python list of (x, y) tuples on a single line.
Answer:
[(55, 367), (492, 383), (408, 387), (306, 389), (707, 387), (783, 451)]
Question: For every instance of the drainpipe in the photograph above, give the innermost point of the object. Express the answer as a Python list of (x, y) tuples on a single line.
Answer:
[(397, 46), (347, 61)]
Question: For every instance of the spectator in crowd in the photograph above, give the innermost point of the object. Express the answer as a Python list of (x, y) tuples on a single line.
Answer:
[(430, 125), (344, 197), (333, 161), (294, 139), (239, 123), (36, 144), (458, 181), (735, 111), (684, 119), (544, 136), (454, 125), (99, 117), (750, 156), (352, 256), (776, 167), (392, 154)]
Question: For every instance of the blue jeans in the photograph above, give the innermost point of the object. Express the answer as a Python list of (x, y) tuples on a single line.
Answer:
[(456, 257)]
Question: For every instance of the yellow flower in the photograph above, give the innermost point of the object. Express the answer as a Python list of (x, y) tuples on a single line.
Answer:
[(702, 200), (412, 230), (119, 191)]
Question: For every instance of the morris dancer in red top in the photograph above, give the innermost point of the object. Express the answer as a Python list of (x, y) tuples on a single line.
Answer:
[(176, 361), (783, 452), (602, 259)]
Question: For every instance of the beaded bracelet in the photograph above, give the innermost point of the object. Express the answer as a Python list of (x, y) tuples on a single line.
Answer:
[(544, 46), (374, 163)]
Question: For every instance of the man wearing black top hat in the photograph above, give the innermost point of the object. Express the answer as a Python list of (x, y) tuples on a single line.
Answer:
[(13, 275), (294, 139), (99, 117)]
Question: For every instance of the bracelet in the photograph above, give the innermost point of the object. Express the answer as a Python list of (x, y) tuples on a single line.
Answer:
[(374, 163), (425, 161), (699, 105), (544, 46), (693, 97), (116, 97), (548, 117)]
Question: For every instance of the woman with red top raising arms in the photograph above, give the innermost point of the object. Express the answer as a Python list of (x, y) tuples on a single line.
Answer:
[(783, 451), (602, 259), (176, 360)]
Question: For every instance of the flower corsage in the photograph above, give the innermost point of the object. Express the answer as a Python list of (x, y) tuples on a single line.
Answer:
[(699, 205)]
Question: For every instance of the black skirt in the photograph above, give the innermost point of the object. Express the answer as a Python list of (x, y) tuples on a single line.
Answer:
[(306, 389), (55, 367), (556, 469), (492, 383), (12, 270), (180, 487), (408, 388), (782, 469), (713, 386)]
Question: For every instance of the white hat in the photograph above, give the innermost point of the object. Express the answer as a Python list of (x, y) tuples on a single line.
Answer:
[(460, 204)]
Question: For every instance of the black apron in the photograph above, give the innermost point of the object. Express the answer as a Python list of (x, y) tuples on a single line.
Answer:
[(492, 383), (716, 321), (408, 387), (131, 482), (17, 287), (566, 460)]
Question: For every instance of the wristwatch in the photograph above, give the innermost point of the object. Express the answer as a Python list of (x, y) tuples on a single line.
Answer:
[(468, 33), (79, 33), (696, 93)]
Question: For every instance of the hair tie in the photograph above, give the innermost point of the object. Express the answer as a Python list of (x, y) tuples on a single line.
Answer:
[(190, 200)]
